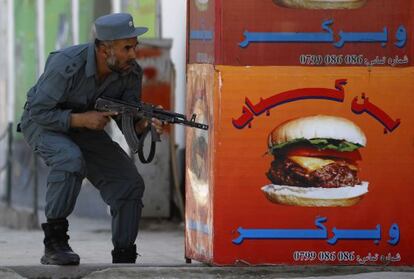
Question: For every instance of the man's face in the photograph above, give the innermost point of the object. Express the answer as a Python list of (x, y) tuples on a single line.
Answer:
[(121, 55)]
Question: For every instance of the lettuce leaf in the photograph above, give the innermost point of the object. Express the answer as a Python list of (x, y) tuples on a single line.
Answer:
[(339, 145)]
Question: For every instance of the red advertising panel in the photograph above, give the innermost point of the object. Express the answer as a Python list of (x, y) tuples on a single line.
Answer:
[(305, 165), (309, 32), (201, 31)]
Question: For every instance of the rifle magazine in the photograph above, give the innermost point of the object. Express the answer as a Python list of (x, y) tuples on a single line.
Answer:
[(128, 129)]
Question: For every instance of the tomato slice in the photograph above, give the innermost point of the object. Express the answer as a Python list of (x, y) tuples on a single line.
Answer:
[(309, 151)]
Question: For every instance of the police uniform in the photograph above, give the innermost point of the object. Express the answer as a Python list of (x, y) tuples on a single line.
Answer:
[(68, 85)]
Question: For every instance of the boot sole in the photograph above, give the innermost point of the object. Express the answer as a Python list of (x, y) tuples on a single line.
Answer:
[(49, 261)]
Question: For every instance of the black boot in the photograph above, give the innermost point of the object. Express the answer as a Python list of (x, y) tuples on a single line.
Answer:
[(57, 249), (124, 255)]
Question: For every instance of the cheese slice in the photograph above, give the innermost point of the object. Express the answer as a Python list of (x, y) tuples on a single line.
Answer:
[(313, 163)]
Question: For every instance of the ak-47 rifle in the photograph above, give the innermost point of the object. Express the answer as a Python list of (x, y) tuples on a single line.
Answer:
[(129, 112)]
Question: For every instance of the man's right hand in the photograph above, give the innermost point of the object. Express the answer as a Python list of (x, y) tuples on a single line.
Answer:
[(94, 120)]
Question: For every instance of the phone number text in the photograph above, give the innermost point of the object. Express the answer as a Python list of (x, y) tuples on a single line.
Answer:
[(345, 257), (331, 59), (352, 59)]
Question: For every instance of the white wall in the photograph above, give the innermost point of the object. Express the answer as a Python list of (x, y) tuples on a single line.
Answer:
[(173, 25), (3, 96)]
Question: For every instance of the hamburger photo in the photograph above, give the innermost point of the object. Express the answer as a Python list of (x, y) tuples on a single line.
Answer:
[(321, 4), (315, 162), (202, 5), (198, 167)]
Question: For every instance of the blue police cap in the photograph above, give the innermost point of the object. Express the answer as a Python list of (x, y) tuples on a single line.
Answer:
[(117, 26)]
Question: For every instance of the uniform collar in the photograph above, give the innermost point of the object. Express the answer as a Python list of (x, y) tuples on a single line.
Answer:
[(90, 69)]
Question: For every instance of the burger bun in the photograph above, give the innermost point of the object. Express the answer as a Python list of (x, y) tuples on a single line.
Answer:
[(315, 197), (321, 4), (317, 126)]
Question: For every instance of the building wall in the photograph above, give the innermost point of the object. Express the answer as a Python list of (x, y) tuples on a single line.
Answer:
[(3, 95), (58, 34), (174, 26)]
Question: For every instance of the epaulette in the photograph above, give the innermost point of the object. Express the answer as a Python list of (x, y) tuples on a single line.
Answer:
[(70, 67), (67, 61)]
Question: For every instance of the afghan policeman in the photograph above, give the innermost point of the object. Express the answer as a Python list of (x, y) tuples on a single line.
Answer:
[(61, 126)]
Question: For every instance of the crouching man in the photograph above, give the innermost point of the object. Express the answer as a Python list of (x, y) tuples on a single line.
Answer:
[(61, 126)]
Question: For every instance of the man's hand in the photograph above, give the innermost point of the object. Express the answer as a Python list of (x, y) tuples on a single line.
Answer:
[(143, 123), (94, 120)]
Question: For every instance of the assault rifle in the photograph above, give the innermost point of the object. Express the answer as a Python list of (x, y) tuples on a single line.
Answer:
[(130, 112)]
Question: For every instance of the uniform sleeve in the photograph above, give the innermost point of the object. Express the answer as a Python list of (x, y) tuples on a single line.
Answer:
[(44, 104)]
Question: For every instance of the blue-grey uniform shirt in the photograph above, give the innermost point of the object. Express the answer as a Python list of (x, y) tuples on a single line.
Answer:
[(69, 84)]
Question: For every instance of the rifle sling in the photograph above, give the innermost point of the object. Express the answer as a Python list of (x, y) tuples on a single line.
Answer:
[(137, 145), (141, 147)]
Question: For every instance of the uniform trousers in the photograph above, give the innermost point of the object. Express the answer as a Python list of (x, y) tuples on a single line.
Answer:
[(92, 154)]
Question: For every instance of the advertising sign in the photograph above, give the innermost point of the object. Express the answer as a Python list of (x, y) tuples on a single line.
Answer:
[(312, 33), (330, 187), (201, 35), (309, 156), (199, 162)]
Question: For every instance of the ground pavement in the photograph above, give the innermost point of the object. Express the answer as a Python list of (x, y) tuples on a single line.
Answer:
[(161, 246)]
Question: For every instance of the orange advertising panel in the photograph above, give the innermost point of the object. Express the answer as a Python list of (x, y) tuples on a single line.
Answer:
[(305, 165), (199, 162)]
